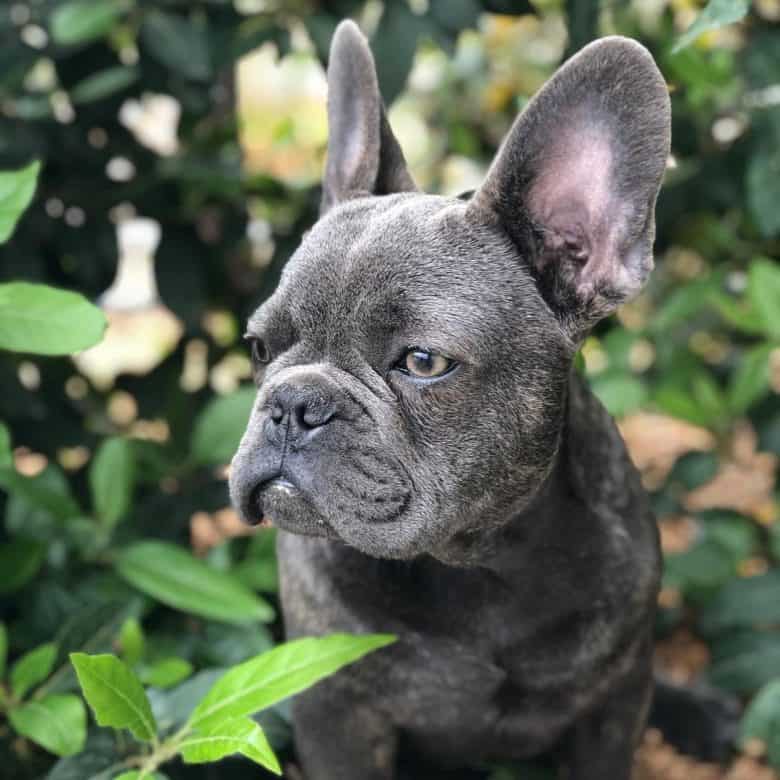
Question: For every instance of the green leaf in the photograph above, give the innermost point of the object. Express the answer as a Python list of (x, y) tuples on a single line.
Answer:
[(166, 672), (763, 189), (115, 694), (132, 641), (103, 84), (178, 43), (81, 21), (174, 577), (750, 381), (220, 426), (111, 480), (6, 456), (20, 560), (238, 735), (753, 660), (280, 673), (739, 314), (57, 723), (717, 13), (16, 192), (135, 774), (3, 649), (744, 603), (620, 393), (32, 668), (762, 721), (46, 321), (764, 290)]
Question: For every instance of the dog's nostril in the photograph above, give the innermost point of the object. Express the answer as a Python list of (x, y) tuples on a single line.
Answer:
[(314, 418)]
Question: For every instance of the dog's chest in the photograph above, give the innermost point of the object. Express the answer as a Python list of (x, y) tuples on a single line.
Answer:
[(477, 665)]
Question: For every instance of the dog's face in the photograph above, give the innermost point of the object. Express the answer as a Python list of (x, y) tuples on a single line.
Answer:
[(412, 364)]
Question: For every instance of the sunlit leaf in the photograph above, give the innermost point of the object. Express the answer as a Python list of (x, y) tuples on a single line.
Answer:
[(238, 735), (44, 320), (115, 694), (280, 673)]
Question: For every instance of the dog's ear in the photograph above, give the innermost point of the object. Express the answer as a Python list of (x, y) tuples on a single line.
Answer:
[(575, 182), (363, 154)]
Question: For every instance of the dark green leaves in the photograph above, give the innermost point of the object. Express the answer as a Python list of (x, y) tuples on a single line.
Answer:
[(115, 694), (173, 576), (744, 603), (278, 674), (47, 321), (57, 723), (761, 721), (179, 43), (16, 192)]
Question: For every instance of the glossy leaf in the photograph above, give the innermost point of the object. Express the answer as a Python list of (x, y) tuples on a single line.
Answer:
[(238, 735), (171, 575), (57, 723), (16, 191), (280, 673), (115, 694), (44, 320)]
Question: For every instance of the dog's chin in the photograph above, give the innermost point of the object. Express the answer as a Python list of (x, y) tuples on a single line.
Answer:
[(288, 508)]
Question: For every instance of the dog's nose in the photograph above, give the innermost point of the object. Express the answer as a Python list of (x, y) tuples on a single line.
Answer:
[(304, 409)]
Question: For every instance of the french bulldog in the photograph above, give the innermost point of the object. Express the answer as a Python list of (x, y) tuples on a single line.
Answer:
[(436, 466)]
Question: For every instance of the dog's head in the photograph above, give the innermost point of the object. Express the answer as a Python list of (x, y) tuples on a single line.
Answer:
[(412, 364)]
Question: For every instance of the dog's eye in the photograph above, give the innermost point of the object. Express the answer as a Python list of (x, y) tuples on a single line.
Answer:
[(259, 350), (425, 365)]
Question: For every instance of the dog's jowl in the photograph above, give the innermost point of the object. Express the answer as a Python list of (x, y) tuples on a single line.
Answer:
[(437, 468)]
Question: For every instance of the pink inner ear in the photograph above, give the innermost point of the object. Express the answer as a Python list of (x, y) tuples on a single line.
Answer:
[(572, 200)]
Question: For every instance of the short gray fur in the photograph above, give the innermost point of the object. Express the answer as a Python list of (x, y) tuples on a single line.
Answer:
[(492, 518)]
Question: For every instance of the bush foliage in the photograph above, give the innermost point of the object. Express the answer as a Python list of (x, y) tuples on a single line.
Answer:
[(124, 579)]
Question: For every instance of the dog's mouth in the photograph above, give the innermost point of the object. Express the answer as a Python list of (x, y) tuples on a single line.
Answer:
[(262, 495)]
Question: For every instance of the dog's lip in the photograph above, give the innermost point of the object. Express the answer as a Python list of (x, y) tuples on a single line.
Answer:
[(278, 483)]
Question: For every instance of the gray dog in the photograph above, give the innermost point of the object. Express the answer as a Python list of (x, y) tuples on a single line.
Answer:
[(437, 468)]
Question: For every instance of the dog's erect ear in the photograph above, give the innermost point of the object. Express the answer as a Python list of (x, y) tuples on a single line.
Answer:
[(575, 182), (363, 155)]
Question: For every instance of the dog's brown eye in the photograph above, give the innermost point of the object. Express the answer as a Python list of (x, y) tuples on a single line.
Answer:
[(259, 351), (425, 365)]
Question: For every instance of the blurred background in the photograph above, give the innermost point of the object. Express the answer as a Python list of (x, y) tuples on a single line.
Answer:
[(181, 146)]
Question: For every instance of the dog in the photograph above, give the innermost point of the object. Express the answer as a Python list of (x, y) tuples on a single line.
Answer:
[(436, 466)]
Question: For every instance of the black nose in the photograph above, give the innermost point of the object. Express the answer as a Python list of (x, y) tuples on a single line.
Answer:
[(305, 410)]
